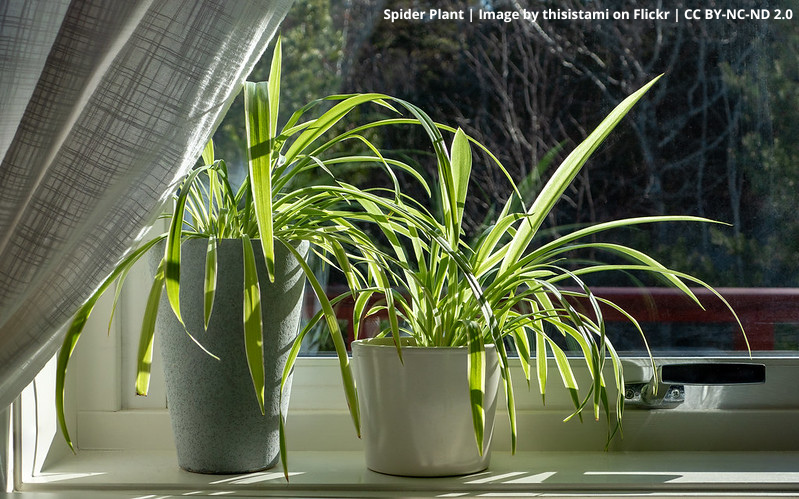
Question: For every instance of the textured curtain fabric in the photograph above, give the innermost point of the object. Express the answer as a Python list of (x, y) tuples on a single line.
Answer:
[(104, 104)]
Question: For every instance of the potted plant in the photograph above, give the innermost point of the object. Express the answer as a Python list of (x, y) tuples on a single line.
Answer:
[(427, 385), (234, 327)]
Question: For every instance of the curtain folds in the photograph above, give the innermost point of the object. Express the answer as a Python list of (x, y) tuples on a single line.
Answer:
[(104, 105)]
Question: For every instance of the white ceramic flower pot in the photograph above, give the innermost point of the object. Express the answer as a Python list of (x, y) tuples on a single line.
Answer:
[(416, 417)]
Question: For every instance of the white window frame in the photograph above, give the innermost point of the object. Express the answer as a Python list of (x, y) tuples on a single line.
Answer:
[(103, 413)]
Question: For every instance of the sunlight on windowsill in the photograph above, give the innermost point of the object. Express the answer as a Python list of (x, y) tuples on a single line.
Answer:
[(344, 474)]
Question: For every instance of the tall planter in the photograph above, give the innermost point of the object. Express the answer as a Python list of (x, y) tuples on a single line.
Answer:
[(216, 420), (416, 417)]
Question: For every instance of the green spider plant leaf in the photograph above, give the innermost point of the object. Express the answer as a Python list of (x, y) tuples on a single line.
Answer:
[(522, 344), (173, 240), (76, 328), (530, 185), (667, 272), (422, 116), (389, 229), (461, 171), (541, 364), (563, 176), (565, 370), (329, 313), (209, 283), (486, 258), (510, 398), (327, 120), (253, 326), (553, 248), (208, 152), (145, 354), (477, 381), (117, 293), (274, 87), (284, 454), (618, 370), (359, 310), (260, 156), (541, 302)]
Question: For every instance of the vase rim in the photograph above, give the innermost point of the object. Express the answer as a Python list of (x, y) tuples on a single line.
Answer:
[(204, 237), (388, 343)]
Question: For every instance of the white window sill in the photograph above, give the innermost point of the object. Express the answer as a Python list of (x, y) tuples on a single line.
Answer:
[(155, 474)]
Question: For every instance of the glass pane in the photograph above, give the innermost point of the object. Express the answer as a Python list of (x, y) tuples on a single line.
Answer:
[(715, 138)]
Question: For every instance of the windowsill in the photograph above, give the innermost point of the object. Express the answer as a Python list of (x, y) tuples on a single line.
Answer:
[(344, 474)]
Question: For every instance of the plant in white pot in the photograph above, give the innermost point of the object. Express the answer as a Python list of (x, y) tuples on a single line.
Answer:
[(232, 324), (427, 385)]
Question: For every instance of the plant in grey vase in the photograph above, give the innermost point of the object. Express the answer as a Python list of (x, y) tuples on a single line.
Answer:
[(427, 385), (233, 268)]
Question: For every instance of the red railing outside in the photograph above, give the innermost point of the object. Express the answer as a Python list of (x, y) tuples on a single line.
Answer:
[(759, 310)]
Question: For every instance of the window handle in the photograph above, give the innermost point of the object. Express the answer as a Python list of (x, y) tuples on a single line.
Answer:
[(667, 389)]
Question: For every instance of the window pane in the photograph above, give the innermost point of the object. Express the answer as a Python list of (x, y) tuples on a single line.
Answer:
[(715, 138)]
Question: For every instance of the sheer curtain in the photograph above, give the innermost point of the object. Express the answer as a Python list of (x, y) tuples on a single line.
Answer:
[(104, 104)]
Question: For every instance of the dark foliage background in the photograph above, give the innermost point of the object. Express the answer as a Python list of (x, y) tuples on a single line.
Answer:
[(715, 138)]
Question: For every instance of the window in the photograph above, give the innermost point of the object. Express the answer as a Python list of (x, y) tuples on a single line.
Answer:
[(715, 138)]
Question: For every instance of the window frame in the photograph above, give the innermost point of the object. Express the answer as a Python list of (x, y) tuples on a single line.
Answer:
[(321, 438), (103, 414)]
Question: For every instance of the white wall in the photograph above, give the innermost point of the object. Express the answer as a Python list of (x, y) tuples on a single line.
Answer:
[(5, 450)]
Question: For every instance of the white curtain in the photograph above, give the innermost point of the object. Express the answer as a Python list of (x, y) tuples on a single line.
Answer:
[(104, 104)]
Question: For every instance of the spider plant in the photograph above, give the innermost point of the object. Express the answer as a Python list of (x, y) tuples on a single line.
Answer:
[(503, 288), (273, 206)]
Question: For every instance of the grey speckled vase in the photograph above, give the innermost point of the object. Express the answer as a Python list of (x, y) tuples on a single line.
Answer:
[(217, 424)]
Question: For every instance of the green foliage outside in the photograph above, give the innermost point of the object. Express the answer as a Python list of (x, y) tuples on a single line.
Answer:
[(716, 138), (312, 51), (768, 155)]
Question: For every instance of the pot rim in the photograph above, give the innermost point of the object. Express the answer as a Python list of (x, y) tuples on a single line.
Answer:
[(203, 237), (388, 343)]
